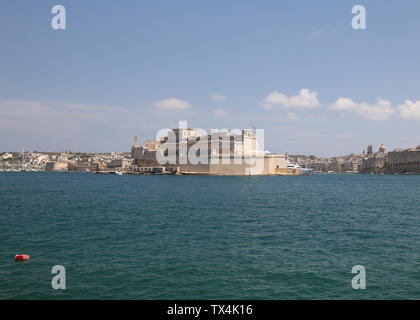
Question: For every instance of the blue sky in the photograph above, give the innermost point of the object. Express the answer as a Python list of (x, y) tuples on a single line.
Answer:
[(296, 69)]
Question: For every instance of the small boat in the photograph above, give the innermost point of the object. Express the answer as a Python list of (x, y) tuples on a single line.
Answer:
[(119, 173), (307, 171)]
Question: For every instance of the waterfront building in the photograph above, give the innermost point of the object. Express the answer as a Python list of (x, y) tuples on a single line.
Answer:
[(122, 163), (375, 162), (83, 165), (404, 161), (227, 153), (56, 166)]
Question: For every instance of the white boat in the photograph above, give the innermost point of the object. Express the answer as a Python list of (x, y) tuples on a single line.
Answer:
[(119, 173), (305, 171), (293, 165)]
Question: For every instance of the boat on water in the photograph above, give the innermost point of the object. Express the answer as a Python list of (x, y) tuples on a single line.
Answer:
[(118, 173), (305, 171), (293, 165)]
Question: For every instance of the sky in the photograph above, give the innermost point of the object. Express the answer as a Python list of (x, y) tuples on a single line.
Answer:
[(296, 69)]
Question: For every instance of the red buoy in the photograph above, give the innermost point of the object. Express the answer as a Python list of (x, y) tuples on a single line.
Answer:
[(22, 257)]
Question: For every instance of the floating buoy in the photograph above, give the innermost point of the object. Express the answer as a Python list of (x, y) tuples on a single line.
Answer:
[(22, 257)]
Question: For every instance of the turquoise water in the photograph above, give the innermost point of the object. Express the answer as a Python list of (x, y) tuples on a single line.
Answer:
[(199, 237)]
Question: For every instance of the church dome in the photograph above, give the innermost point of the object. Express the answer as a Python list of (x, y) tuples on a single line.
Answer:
[(382, 149)]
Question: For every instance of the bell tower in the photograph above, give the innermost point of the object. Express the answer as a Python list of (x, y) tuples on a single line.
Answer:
[(136, 150)]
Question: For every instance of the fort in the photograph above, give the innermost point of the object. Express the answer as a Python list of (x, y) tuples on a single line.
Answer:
[(189, 151)]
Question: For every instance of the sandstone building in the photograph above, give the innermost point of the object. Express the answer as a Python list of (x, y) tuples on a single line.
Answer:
[(189, 151)]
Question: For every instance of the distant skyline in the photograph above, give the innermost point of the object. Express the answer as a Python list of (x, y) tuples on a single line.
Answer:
[(296, 69)]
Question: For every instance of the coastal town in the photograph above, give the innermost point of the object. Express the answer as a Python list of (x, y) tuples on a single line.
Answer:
[(144, 159)]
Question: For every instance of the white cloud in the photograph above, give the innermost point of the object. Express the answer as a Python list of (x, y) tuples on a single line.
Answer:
[(382, 110), (293, 116), (218, 97), (305, 99), (219, 112), (410, 110), (316, 34), (174, 104)]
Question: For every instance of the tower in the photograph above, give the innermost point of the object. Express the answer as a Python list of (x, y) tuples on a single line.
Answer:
[(136, 151), (382, 149), (370, 149)]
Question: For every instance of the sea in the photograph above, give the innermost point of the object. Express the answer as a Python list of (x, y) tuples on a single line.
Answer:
[(209, 237)]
